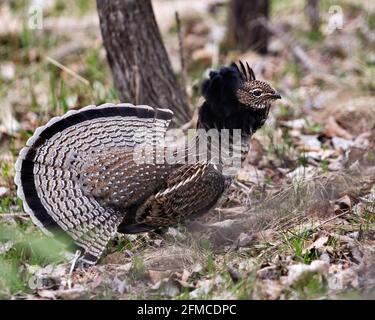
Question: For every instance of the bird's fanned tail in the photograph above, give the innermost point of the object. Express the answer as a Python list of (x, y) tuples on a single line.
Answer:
[(48, 169)]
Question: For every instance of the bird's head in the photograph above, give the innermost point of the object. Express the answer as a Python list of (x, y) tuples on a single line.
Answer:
[(234, 99), (254, 93)]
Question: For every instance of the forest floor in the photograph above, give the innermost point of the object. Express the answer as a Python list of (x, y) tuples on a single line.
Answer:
[(298, 223)]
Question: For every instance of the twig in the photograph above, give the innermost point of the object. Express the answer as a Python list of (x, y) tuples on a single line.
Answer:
[(24, 216), (76, 256), (181, 50), (242, 187), (68, 70), (330, 219)]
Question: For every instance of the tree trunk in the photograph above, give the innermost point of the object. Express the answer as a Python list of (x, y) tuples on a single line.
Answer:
[(312, 10), (139, 61), (244, 31)]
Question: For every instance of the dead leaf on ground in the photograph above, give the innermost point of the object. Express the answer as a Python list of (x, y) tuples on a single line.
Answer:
[(333, 129), (271, 289), (270, 272), (3, 192), (256, 152), (321, 209), (157, 275), (344, 203), (6, 246), (319, 245), (297, 271)]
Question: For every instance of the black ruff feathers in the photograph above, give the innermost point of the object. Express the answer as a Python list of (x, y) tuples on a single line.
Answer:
[(221, 109)]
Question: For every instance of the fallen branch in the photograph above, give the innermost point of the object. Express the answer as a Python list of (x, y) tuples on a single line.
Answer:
[(68, 70), (295, 48)]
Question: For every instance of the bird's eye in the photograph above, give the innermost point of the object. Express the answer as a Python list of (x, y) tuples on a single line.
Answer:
[(257, 93)]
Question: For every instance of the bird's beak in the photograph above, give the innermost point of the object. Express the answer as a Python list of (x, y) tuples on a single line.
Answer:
[(276, 95)]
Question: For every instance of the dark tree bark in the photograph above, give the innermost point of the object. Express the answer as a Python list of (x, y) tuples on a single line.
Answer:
[(312, 10), (244, 31), (136, 54)]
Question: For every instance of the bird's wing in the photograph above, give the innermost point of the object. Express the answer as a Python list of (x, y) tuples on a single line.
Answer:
[(189, 191)]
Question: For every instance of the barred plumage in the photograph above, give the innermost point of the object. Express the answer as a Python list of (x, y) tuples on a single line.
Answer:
[(49, 169), (78, 175)]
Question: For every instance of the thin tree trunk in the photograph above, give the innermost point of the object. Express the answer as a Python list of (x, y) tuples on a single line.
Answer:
[(244, 30), (312, 10), (136, 54)]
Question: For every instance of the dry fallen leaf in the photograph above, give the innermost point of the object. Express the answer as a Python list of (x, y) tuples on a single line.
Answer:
[(171, 287), (256, 152), (310, 142), (333, 129), (297, 124), (340, 279), (185, 275), (271, 289), (270, 272), (344, 203), (48, 294), (341, 143), (120, 286), (204, 288), (78, 292), (3, 192), (321, 209), (156, 275), (251, 174), (318, 245), (244, 240), (297, 271), (6, 246), (183, 278)]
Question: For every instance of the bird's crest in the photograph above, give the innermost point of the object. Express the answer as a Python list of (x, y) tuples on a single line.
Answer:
[(246, 73)]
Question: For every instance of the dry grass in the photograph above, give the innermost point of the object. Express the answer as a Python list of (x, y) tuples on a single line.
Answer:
[(298, 223)]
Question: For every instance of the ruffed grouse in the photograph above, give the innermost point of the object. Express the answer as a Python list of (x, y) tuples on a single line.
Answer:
[(77, 175)]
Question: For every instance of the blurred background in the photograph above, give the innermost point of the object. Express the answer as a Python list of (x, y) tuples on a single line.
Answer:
[(299, 222)]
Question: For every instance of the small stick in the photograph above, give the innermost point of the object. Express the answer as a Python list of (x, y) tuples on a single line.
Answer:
[(22, 216), (330, 219), (76, 256), (296, 49), (67, 70), (242, 186)]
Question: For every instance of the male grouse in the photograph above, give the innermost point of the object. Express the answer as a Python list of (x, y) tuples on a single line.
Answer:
[(78, 175)]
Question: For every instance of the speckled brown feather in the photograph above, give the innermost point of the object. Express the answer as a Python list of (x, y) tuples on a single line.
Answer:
[(49, 170), (78, 174), (116, 180), (190, 191), (247, 98)]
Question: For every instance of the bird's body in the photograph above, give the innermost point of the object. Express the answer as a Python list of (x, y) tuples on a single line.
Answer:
[(80, 173)]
